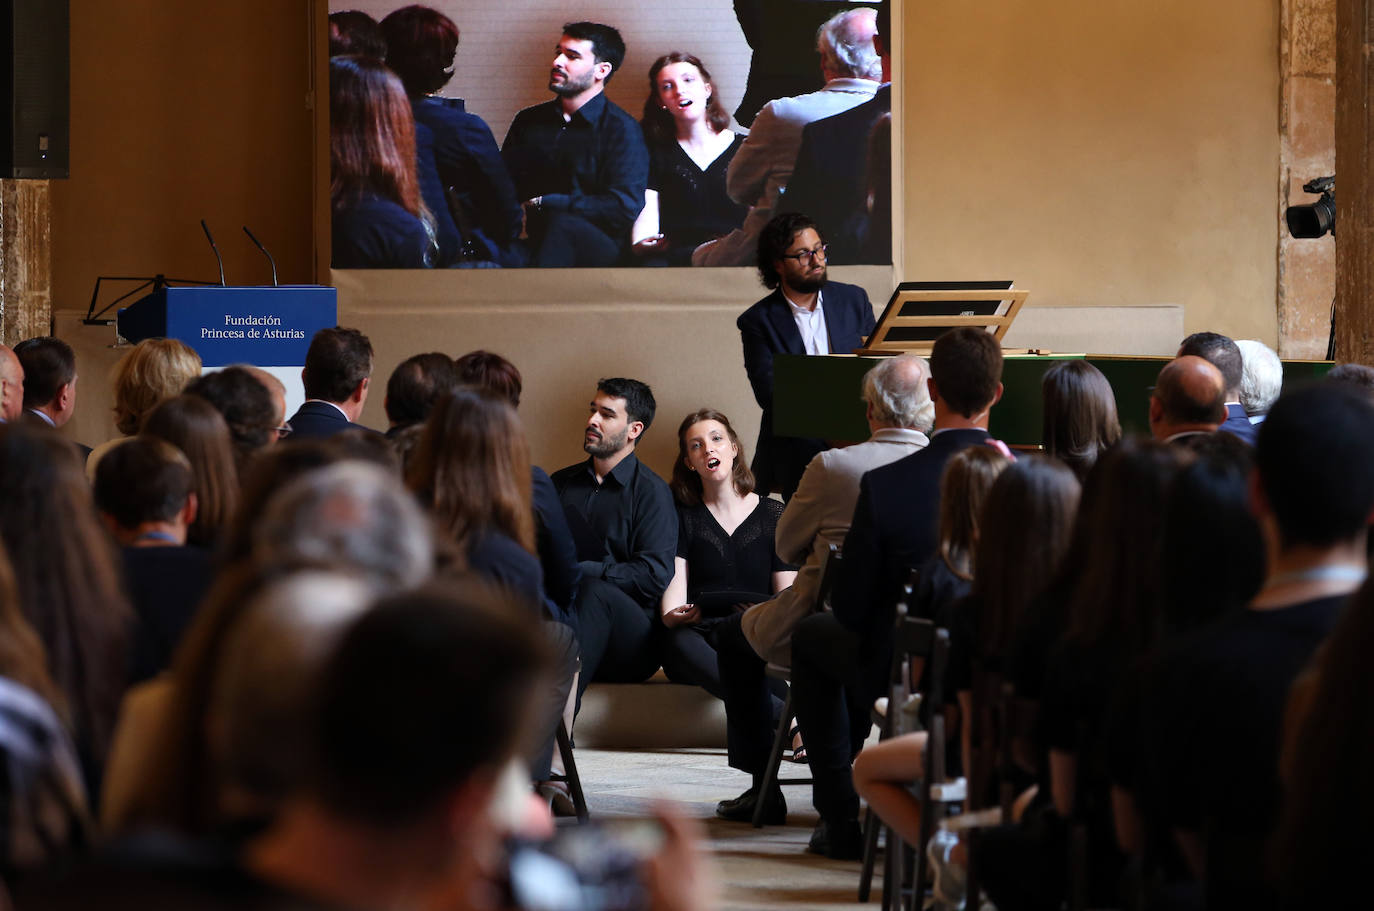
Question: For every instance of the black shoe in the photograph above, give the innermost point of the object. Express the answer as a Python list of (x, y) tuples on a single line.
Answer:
[(846, 844), (741, 808)]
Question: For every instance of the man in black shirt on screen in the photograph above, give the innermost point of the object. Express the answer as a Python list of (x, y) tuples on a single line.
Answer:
[(625, 527), (579, 163)]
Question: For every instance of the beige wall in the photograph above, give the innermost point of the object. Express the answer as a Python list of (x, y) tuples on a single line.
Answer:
[(1099, 153)]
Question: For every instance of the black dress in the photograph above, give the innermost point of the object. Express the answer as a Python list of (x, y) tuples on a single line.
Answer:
[(693, 206), (716, 562)]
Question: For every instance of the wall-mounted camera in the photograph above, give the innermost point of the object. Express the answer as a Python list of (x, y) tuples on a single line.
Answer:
[(1317, 218)]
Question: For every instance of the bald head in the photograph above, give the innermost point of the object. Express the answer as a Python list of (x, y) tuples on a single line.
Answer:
[(11, 385), (1190, 395)]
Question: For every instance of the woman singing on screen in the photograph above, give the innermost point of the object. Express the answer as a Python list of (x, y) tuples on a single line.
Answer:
[(690, 148)]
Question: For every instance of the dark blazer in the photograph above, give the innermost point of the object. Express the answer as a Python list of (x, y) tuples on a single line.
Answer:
[(29, 416), (1238, 424), (320, 419), (895, 528), (768, 329), (556, 549), (830, 179)]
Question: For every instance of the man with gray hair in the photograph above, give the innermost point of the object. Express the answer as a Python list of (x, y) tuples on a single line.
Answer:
[(899, 412), (760, 170), (1261, 378)]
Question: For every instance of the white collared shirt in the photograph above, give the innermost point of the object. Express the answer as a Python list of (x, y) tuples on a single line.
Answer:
[(811, 325)]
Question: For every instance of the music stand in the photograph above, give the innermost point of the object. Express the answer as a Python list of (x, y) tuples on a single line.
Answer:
[(920, 312)]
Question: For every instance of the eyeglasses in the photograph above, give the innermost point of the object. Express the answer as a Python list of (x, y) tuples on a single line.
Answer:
[(283, 431), (817, 255)]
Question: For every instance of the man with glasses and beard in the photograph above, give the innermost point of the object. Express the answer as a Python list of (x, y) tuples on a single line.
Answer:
[(579, 162), (624, 524), (805, 314)]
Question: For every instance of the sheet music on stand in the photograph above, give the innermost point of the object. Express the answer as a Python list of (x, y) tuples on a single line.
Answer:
[(920, 312)]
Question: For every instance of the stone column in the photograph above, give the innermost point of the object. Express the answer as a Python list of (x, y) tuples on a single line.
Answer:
[(25, 260), (1354, 182), (1307, 268)]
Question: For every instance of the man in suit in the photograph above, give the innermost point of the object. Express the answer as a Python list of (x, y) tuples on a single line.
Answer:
[(415, 387), (1225, 355), (11, 386), (805, 314), (338, 370), (762, 166), (49, 380), (899, 414), (1187, 399), (840, 659), (830, 180)]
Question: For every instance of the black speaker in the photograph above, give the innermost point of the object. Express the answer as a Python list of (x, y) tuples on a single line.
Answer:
[(35, 85)]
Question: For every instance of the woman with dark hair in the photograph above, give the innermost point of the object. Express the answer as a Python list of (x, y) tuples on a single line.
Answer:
[(471, 175), (68, 579), (1079, 419), (690, 148), (47, 812), (726, 559), (379, 218), (194, 426)]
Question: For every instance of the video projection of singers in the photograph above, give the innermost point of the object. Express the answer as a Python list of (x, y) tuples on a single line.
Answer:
[(618, 145)]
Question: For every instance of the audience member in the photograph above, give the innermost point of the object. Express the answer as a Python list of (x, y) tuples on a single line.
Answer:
[(472, 471), (625, 529), (1312, 491), (277, 389), (352, 32), (726, 559), (1357, 376), (805, 314), (11, 386), (1326, 770), (1189, 398), (1078, 416), (760, 171), (1224, 354), (832, 174), (690, 148), (68, 580), (246, 406), (1261, 378), (578, 161), (899, 413), (45, 799), (1113, 619), (192, 425), (145, 491), (845, 655), (415, 387), (337, 374), (378, 217), (471, 175), (153, 370), (782, 37), (49, 381)]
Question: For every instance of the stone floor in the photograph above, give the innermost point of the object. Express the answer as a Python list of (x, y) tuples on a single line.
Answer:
[(756, 868)]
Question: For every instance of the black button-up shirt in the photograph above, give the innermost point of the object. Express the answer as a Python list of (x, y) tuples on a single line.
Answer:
[(625, 527), (594, 166)]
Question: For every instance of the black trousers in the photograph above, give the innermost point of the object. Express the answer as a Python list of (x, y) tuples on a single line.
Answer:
[(689, 654), (753, 700), (832, 690), (566, 240), (616, 635)]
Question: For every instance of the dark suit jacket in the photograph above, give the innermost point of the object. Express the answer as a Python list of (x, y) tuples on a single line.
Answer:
[(830, 179), (1238, 424), (894, 529), (320, 419), (29, 416), (768, 329)]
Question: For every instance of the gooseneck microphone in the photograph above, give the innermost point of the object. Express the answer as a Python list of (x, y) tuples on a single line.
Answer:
[(259, 245), (206, 228)]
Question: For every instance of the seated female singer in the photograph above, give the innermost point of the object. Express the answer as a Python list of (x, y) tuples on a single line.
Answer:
[(690, 148), (726, 559)]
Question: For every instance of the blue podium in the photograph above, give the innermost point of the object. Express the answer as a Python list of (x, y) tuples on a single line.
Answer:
[(267, 327)]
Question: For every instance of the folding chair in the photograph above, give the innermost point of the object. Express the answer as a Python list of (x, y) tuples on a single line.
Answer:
[(565, 750)]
